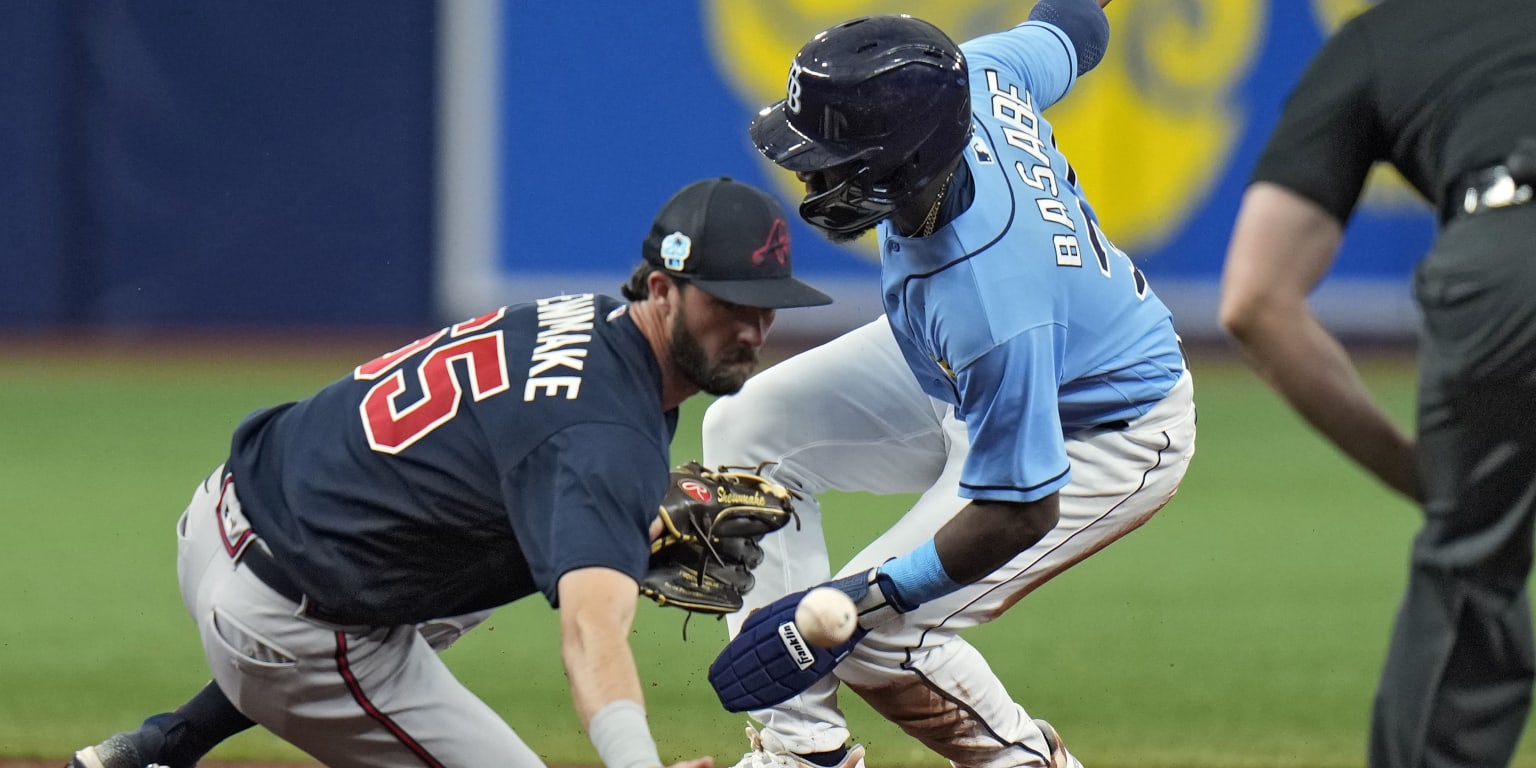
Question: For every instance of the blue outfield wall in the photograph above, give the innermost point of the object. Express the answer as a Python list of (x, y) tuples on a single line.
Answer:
[(241, 163), (257, 163)]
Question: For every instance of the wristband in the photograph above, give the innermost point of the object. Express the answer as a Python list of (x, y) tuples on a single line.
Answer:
[(622, 736), (919, 576)]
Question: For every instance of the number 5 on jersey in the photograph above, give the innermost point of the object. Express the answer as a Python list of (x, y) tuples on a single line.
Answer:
[(391, 428)]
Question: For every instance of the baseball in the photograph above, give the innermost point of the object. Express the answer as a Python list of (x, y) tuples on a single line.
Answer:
[(825, 617)]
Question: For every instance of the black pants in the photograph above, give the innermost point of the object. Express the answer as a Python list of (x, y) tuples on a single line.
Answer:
[(1456, 688)]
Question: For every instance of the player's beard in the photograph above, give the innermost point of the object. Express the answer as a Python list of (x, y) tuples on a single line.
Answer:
[(719, 377), (843, 238)]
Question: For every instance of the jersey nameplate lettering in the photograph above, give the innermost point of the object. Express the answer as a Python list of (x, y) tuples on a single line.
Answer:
[(565, 321), (1021, 129)]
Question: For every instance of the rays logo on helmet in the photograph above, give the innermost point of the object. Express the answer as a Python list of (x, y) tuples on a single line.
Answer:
[(675, 249), (792, 90)]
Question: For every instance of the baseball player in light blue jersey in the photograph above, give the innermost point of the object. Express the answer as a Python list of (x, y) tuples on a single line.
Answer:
[(1025, 380)]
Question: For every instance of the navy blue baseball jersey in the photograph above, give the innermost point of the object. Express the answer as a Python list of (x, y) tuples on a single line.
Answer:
[(1020, 311), (467, 469)]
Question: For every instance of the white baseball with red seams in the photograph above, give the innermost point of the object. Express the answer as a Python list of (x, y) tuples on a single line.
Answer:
[(826, 617)]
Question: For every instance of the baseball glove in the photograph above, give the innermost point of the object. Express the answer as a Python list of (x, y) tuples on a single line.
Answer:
[(711, 523)]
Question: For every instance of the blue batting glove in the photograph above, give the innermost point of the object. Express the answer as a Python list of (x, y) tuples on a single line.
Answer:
[(769, 662)]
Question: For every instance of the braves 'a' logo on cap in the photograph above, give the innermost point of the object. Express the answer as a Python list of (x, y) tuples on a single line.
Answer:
[(776, 247), (695, 489)]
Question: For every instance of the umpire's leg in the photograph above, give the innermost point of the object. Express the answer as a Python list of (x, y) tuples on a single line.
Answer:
[(1456, 688)]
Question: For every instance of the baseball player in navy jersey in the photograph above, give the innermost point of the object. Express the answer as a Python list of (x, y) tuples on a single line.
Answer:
[(1025, 380), (351, 534)]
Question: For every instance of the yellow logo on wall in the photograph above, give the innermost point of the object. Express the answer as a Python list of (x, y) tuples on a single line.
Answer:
[(1150, 130)]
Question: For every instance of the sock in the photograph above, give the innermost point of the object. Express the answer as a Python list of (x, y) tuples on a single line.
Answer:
[(198, 726)]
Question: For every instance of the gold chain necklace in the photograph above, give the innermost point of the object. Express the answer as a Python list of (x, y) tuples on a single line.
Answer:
[(933, 213)]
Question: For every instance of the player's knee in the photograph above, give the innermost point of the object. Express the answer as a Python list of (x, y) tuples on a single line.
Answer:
[(734, 430), (728, 433)]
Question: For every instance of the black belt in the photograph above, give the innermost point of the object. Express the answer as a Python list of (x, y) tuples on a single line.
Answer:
[(1501, 186), (1119, 424), (260, 562)]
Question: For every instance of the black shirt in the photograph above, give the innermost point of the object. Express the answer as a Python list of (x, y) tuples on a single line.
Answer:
[(1436, 88)]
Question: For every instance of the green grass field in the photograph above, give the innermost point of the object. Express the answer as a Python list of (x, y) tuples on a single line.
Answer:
[(1244, 626)]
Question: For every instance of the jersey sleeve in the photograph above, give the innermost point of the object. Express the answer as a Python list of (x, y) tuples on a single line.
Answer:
[(1322, 148), (1017, 449), (1038, 54), (600, 488)]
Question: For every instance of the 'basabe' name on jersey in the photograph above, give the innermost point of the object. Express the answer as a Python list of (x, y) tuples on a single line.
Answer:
[(468, 468), (1021, 128)]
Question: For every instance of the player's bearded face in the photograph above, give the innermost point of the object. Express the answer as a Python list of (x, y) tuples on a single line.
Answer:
[(723, 371)]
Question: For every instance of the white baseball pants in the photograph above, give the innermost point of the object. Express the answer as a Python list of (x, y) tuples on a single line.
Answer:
[(849, 415), (349, 696)]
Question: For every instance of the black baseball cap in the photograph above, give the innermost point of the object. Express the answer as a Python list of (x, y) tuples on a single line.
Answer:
[(732, 241)]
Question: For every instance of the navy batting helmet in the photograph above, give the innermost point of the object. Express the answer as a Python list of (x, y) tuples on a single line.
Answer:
[(884, 100)]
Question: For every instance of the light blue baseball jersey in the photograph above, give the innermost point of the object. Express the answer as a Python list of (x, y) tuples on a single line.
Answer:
[(1019, 311)]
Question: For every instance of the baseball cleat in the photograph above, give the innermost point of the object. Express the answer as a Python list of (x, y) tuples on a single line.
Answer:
[(118, 751), (769, 752), (115, 752)]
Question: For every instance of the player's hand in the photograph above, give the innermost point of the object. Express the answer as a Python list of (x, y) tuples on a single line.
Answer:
[(769, 662), (697, 762)]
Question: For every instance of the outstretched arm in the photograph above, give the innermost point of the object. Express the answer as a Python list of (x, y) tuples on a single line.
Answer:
[(597, 607), (1282, 246), (979, 539)]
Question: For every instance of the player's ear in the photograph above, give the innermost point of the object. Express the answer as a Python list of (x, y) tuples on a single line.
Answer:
[(663, 289)]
